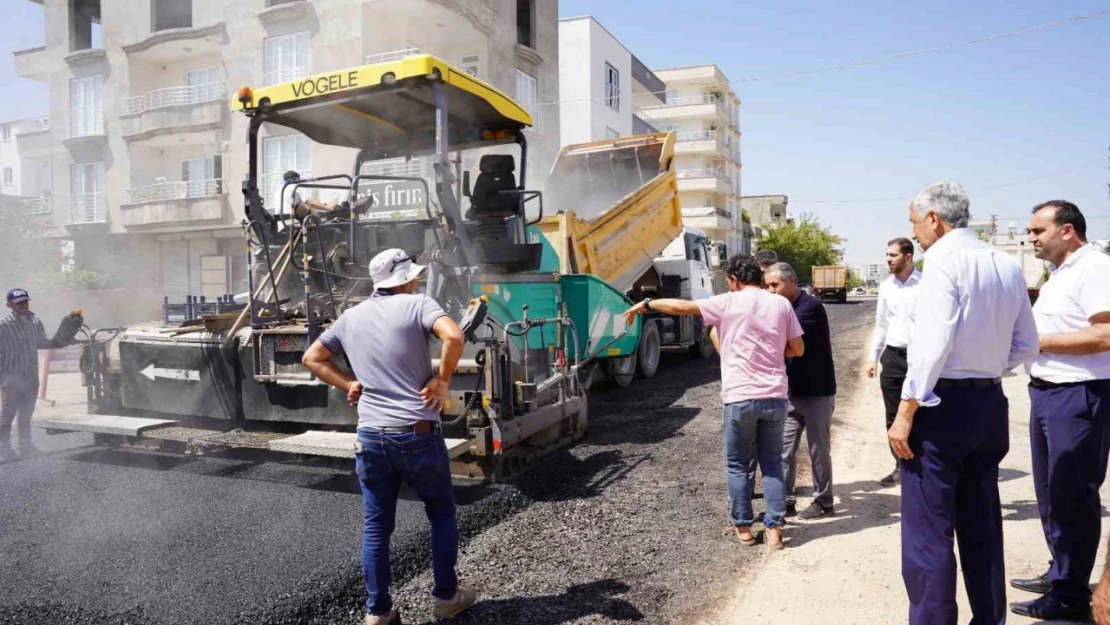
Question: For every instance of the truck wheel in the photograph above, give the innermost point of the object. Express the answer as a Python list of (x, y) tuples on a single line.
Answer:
[(622, 370), (703, 347), (649, 351)]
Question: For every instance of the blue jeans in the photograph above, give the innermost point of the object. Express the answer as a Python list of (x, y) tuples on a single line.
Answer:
[(753, 431), (419, 460)]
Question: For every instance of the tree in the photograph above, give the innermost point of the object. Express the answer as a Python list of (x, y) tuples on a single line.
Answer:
[(805, 244), (920, 264), (33, 254), (852, 280)]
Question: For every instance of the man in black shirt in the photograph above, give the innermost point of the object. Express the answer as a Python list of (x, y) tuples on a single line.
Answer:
[(812, 394)]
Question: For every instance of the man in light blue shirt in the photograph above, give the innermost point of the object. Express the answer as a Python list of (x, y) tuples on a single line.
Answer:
[(973, 322)]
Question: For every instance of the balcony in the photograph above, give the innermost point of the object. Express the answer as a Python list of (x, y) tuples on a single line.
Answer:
[(704, 180), (709, 218), (687, 107), (35, 142), (284, 75), (278, 11), (700, 141), (32, 64), (175, 44), (87, 209), (640, 127), (174, 110), (86, 125), (166, 203), (37, 206)]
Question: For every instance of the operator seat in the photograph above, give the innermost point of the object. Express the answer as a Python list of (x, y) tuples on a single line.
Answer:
[(496, 218)]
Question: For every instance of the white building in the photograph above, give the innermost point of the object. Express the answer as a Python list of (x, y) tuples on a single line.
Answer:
[(146, 154), (703, 109), (606, 92), (19, 174), (871, 273)]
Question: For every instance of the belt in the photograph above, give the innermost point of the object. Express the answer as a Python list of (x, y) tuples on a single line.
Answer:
[(1042, 383), (968, 382), (897, 350), (420, 427)]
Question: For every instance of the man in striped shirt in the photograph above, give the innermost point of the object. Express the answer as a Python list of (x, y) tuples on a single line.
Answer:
[(21, 338)]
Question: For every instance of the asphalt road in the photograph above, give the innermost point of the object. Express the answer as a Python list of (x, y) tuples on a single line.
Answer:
[(622, 527)]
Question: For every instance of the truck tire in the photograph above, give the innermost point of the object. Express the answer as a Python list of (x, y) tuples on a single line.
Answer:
[(649, 351), (703, 346), (622, 370)]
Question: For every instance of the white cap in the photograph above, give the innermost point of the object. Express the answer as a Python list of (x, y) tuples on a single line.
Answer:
[(392, 268)]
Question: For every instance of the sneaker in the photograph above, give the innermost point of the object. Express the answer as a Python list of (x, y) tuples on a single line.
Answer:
[(791, 510), (815, 511), (389, 619), (464, 598), (895, 477)]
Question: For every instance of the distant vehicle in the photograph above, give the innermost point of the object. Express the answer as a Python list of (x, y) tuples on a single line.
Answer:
[(831, 282), (806, 288), (859, 290)]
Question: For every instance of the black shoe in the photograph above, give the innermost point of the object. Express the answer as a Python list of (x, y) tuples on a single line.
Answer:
[(895, 477), (1048, 608), (815, 511), (791, 509), (1038, 584)]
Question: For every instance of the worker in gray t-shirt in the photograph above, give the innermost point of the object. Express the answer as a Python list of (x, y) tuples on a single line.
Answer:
[(399, 399)]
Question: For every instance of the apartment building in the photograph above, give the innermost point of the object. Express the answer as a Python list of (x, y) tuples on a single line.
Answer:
[(871, 273), (22, 176), (703, 109), (147, 155)]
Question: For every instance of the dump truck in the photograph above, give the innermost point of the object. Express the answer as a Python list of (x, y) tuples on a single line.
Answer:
[(539, 296), (830, 282)]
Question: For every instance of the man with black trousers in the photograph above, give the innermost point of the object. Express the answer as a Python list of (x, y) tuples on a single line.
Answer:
[(812, 379), (893, 321), (973, 322), (1069, 392)]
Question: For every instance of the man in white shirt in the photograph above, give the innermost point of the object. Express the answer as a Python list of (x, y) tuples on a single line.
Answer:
[(973, 322), (1069, 392), (893, 321)]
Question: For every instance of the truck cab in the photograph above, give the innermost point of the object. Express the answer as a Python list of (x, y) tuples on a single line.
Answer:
[(687, 263)]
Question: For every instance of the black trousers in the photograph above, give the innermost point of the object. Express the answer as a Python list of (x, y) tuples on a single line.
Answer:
[(18, 394), (950, 490), (893, 375), (1068, 431)]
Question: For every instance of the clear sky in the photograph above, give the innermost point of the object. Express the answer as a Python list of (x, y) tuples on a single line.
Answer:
[(985, 115)]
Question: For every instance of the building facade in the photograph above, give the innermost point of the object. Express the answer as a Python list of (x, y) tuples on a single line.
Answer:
[(147, 156), (871, 274), (701, 107), (20, 175)]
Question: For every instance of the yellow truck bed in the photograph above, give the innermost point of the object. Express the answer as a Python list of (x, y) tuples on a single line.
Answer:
[(617, 207)]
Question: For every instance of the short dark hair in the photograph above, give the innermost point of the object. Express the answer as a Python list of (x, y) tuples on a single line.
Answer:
[(766, 257), (1066, 213), (745, 269), (904, 245), (291, 176)]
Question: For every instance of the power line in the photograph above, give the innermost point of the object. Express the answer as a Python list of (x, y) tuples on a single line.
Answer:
[(976, 189), (879, 60)]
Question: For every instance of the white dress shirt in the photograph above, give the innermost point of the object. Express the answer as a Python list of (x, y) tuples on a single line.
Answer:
[(1078, 290), (894, 313), (973, 316)]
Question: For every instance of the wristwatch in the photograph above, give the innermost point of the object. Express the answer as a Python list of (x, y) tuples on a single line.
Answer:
[(647, 303)]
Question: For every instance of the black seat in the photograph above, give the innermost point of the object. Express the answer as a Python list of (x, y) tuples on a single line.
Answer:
[(496, 175)]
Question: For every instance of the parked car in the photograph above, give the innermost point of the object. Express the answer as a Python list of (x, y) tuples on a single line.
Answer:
[(859, 290)]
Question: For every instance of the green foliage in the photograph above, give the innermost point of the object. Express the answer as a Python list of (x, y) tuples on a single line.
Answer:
[(33, 256), (805, 244), (920, 264), (852, 280)]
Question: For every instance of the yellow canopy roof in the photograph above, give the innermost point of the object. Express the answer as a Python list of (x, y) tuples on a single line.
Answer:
[(388, 108)]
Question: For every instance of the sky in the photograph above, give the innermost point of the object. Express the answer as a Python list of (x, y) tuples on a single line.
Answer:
[(1016, 120)]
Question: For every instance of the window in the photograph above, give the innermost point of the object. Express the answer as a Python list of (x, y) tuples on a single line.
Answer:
[(526, 94), (611, 134), (202, 176), (286, 58), (86, 187), (281, 154), (171, 14), (525, 34), (470, 64), (7, 175), (86, 114), (672, 96), (7, 133), (204, 85), (612, 87)]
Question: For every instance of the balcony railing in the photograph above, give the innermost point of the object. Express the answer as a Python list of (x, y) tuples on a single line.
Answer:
[(284, 75), (37, 206), (698, 135), (86, 121), (87, 208), (684, 174), (705, 98), (174, 96), (167, 191)]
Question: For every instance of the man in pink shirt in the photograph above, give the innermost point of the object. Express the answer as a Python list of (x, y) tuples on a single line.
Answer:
[(757, 330)]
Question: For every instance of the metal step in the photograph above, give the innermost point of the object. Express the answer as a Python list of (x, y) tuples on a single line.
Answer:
[(343, 445), (101, 424)]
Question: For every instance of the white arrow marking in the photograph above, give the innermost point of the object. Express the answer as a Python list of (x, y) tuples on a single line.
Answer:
[(185, 375)]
